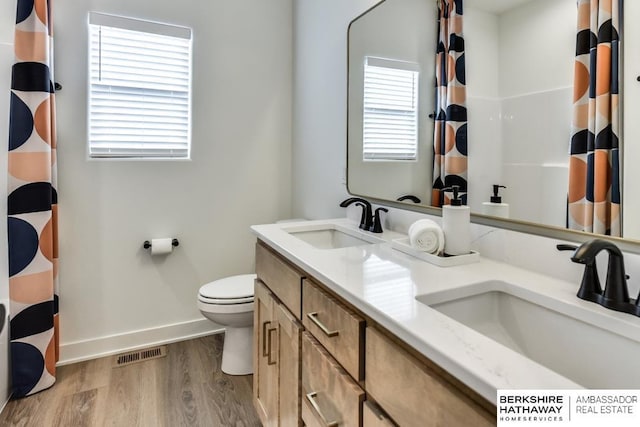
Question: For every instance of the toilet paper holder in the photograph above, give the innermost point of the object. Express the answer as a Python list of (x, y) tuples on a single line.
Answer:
[(147, 243)]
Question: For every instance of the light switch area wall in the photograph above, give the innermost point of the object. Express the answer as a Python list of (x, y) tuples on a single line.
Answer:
[(113, 294), (320, 105), (7, 19)]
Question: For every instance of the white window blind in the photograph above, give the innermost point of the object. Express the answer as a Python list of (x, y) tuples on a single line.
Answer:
[(390, 122), (139, 88)]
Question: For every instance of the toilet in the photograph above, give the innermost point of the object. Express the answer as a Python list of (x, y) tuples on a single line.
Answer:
[(229, 302)]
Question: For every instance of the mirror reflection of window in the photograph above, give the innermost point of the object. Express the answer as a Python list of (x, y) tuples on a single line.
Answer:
[(390, 113)]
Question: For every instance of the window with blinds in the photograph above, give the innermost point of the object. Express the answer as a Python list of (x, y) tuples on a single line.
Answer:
[(139, 88), (390, 120)]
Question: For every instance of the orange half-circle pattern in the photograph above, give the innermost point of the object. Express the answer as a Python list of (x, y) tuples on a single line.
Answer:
[(450, 166), (31, 46), (594, 175), (32, 177)]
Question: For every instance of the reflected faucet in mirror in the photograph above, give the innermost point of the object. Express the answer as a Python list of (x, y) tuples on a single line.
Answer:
[(409, 197)]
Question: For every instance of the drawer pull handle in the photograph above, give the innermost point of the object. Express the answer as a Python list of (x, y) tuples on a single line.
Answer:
[(311, 397), (264, 338), (314, 318), (269, 361)]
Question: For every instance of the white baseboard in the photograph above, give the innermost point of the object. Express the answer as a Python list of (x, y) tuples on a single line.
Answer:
[(79, 351)]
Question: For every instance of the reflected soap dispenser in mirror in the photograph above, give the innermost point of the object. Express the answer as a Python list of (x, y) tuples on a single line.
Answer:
[(456, 224), (494, 206)]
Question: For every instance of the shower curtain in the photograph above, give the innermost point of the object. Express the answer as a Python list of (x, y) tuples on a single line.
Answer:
[(594, 164), (32, 200), (450, 129)]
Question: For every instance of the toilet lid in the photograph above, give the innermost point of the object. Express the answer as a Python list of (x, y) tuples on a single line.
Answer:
[(230, 290)]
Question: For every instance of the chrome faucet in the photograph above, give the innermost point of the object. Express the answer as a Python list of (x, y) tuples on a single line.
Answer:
[(616, 292)]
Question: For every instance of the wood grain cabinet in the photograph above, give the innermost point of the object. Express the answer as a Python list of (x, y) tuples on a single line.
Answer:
[(265, 372), (276, 361), (316, 359), (414, 393), (281, 278), (330, 397), (339, 329), (372, 416)]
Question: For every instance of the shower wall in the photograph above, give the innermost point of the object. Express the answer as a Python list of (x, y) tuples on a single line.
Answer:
[(520, 71), (482, 52)]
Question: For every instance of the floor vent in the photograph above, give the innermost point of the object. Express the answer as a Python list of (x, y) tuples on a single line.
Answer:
[(139, 356)]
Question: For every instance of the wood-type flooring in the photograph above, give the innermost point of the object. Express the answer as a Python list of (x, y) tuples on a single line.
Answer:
[(185, 388)]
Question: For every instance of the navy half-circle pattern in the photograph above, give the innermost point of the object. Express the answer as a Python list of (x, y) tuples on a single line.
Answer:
[(32, 203), (450, 130), (594, 163), (20, 123), (27, 364)]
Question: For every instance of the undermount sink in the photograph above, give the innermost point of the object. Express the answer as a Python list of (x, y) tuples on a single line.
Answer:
[(536, 326), (331, 236)]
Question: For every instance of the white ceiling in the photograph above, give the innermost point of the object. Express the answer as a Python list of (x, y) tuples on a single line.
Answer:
[(494, 6)]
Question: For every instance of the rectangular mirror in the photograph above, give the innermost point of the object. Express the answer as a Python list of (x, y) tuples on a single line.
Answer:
[(519, 57)]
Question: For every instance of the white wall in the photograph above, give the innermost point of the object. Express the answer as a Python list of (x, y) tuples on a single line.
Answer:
[(7, 20), (113, 294), (320, 105)]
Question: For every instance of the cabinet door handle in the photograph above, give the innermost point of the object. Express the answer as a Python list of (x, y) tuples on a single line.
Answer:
[(311, 397), (264, 338), (269, 361), (314, 318)]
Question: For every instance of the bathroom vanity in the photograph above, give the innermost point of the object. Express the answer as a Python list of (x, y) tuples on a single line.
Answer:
[(348, 331), (310, 365)]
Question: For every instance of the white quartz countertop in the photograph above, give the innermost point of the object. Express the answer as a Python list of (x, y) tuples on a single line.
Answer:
[(383, 283)]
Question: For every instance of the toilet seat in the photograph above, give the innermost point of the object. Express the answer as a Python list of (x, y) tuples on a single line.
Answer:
[(229, 301), (228, 291)]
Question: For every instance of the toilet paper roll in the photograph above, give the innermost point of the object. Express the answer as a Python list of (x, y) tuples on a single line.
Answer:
[(161, 246)]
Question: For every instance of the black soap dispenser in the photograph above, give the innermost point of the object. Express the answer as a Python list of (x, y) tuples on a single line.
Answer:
[(495, 207)]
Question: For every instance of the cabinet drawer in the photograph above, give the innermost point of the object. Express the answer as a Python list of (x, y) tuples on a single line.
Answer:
[(372, 416), (330, 397), (338, 329), (413, 393), (282, 279)]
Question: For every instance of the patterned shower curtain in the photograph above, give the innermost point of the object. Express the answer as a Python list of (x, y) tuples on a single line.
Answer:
[(32, 203), (450, 131), (594, 165)]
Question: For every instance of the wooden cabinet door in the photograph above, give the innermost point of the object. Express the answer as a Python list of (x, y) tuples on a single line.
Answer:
[(414, 394), (330, 397), (289, 368), (372, 416), (336, 327), (278, 275), (265, 353)]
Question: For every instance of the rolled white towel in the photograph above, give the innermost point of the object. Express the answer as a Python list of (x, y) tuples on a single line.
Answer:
[(426, 235)]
